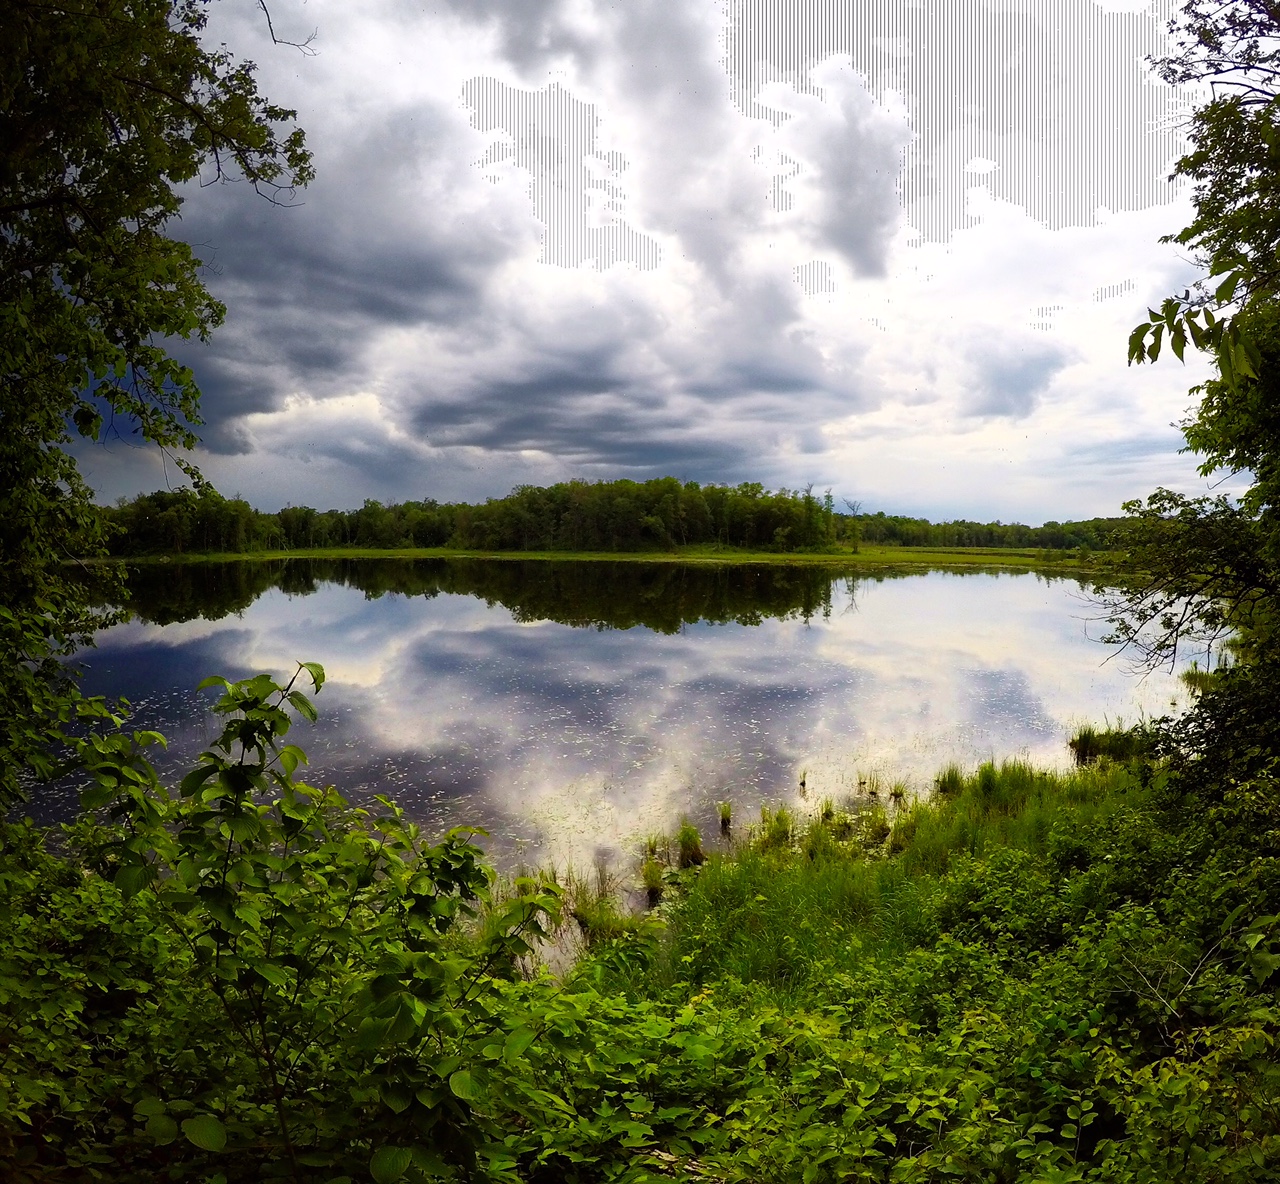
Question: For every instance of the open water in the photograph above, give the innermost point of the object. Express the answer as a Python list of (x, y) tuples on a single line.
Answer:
[(572, 708)]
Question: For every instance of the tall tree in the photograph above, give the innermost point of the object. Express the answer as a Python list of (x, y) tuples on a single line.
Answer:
[(1211, 564), (107, 109)]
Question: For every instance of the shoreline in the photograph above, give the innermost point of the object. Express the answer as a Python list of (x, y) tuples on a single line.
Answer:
[(1028, 559)]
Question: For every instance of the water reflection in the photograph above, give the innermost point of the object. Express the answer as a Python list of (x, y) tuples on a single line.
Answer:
[(472, 691), (663, 597)]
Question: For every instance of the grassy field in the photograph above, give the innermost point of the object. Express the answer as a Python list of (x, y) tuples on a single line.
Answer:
[(868, 556)]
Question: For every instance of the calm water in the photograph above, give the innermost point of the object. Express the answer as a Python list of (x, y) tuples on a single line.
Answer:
[(572, 708)]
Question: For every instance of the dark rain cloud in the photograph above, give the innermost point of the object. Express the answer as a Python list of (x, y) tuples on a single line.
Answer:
[(396, 328), (375, 243), (400, 232)]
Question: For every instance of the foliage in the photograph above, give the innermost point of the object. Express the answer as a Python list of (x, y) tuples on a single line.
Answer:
[(623, 515), (896, 530), (574, 516), (249, 975), (1194, 570), (1202, 566), (1235, 235), (1056, 977), (106, 110), (1090, 744)]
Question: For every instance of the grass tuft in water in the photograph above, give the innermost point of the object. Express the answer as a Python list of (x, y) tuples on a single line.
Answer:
[(689, 843), (652, 877), (1091, 744), (594, 902), (949, 782)]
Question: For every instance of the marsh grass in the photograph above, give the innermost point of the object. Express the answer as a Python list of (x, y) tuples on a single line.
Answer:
[(689, 844), (800, 898), (1090, 744), (653, 878)]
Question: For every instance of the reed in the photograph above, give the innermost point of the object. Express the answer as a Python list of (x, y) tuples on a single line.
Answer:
[(1091, 744), (775, 829), (812, 897), (653, 878), (594, 901), (689, 844)]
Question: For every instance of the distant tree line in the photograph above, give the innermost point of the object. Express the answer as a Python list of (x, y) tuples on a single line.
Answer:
[(622, 516), (892, 530)]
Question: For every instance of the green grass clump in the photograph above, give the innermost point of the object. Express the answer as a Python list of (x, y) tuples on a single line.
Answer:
[(802, 900), (652, 877), (1091, 744), (775, 829), (689, 844)]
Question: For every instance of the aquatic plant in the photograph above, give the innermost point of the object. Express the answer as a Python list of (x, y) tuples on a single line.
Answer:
[(689, 842), (775, 829), (1091, 744), (651, 876), (949, 782)]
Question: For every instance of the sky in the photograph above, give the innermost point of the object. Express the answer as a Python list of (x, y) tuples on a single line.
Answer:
[(893, 248)]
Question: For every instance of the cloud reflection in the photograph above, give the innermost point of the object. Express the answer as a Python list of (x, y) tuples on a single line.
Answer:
[(566, 742)]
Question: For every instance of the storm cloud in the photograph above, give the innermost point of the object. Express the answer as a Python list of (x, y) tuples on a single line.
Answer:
[(742, 242)]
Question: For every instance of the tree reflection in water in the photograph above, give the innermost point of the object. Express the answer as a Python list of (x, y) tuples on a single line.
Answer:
[(599, 594)]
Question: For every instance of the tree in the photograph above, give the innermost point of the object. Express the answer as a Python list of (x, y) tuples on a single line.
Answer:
[(1208, 565), (107, 109)]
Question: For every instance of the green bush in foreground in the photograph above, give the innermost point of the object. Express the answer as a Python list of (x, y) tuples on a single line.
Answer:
[(1035, 978)]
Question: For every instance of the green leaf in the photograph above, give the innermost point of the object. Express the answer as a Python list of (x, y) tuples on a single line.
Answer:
[(316, 671), (133, 878), (304, 706), (517, 1043), (162, 1128), (389, 1164), (206, 1132), (97, 796), (1264, 965), (1227, 289), (464, 1086)]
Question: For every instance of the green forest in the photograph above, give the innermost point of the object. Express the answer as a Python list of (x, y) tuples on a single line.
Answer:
[(237, 976), (602, 516)]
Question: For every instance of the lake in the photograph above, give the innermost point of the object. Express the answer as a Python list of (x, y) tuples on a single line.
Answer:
[(572, 708)]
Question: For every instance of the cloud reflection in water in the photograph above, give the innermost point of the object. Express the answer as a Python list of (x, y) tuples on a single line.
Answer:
[(565, 741)]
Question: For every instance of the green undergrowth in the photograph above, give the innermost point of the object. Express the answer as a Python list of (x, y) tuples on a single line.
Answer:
[(1033, 978), (801, 899)]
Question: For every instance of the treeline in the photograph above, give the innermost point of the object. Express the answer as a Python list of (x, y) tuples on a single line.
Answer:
[(623, 516), (893, 530), (572, 516)]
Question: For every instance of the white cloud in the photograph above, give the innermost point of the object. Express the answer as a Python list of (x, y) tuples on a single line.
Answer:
[(404, 329)]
